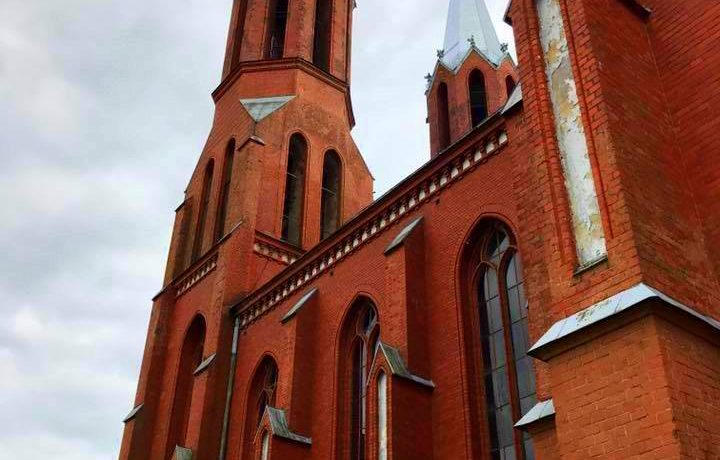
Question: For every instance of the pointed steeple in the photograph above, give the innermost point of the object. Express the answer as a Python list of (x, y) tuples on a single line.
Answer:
[(469, 25)]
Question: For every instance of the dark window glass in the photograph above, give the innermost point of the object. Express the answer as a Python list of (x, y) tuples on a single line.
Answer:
[(293, 207), (277, 23), (367, 337), (202, 215), (508, 375), (323, 29), (510, 85), (478, 97), (443, 113), (220, 224), (330, 202), (267, 393)]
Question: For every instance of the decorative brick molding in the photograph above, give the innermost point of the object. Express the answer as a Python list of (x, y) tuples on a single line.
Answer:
[(191, 279), (439, 177), (275, 250)]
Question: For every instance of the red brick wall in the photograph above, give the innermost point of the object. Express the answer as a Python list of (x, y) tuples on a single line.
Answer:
[(459, 95)]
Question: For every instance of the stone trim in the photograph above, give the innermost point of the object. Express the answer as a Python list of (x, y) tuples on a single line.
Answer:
[(191, 279)]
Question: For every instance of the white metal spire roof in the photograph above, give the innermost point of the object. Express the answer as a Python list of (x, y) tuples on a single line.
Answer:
[(469, 20)]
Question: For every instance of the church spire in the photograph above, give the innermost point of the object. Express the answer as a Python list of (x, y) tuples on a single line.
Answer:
[(469, 25)]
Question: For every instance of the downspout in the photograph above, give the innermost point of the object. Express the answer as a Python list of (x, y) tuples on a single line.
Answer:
[(229, 392)]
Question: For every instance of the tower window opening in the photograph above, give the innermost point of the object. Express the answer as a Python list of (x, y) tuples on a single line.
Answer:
[(202, 215), (510, 85), (220, 221), (443, 115), (293, 208), (276, 27), (330, 201), (323, 30), (478, 97)]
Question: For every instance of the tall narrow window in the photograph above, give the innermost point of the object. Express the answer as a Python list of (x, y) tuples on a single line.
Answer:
[(220, 220), (382, 421), (241, 15), (203, 212), (323, 28), (510, 85), (443, 113), (360, 338), (262, 393), (478, 97), (509, 382), (191, 356), (276, 26), (293, 207), (330, 201)]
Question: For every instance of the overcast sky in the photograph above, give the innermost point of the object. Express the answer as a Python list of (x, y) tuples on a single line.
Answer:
[(104, 109)]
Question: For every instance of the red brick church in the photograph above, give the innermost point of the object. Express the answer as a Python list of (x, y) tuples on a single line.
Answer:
[(545, 286)]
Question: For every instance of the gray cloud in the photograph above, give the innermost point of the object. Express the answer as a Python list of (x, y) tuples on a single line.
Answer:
[(105, 107)]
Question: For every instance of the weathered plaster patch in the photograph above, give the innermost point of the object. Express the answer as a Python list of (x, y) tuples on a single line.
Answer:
[(574, 154)]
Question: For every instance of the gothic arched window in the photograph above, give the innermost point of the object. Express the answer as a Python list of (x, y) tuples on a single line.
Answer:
[(293, 207), (478, 97), (330, 201), (510, 85), (191, 356), (276, 26), (263, 390), (220, 220), (323, 29), (240, 15), (443, 115), (359, 340), (203, 211), (507, 373)]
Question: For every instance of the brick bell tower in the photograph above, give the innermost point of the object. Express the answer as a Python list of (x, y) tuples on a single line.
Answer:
[(473, 78), (279, 173)]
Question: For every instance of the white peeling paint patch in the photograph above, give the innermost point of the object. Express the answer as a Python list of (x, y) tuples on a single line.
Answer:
[(587, 221)]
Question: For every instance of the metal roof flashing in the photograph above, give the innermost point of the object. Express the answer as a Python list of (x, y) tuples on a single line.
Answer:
[(612, 307)]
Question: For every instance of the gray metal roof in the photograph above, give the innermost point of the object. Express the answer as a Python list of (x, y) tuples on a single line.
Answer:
[(205, 364), (279, 426), (608, 308), (469, 20), (263, 107), (133, 413), (301, 303), (541, 410), (515, 98), (404, 233), (398, 366)]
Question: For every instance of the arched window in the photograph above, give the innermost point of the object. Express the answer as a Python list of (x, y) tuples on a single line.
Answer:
[(220, 220), (276, 26), (241, 16), (359, 340), (203, 211), (507, 374), (382, 421), (443, 112), (323, 28), (293, 207), (478, 97), (191, 356), (510, 85), (263, 389), (330, 201)]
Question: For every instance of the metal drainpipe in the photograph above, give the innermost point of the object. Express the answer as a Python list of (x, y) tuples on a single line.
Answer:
[(229, 393)]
